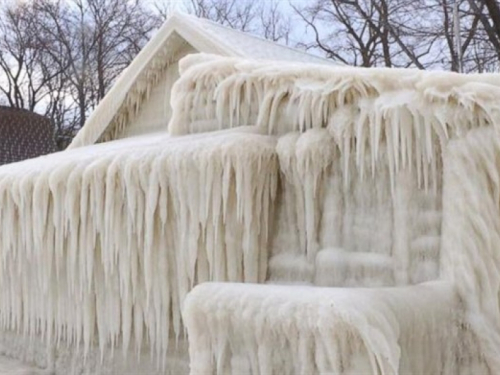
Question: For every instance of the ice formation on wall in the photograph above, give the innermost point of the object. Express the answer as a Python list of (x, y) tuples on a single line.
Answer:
[(126, 97), (471, 232), (359, 151), (359, 204), (101, 244), (330, 177)]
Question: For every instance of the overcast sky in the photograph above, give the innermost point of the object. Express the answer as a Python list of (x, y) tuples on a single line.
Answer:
[(298, 34)]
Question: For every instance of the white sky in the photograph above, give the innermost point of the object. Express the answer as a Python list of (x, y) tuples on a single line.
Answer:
[(298, 33)]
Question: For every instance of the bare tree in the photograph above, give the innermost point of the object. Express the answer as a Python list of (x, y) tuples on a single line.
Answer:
[(23, 65), (493, 11), (367, 32), (260, 17), (120, 30), (488, 12), (237, 14), (404, 33), (95, 39), (60, 57), (275, 24)]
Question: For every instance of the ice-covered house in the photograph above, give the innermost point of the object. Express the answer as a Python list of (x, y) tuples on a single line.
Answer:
[(296, 218), (139, 102)]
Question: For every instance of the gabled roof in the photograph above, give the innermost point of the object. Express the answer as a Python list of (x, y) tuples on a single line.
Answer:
[(132, 86), (247, 45)]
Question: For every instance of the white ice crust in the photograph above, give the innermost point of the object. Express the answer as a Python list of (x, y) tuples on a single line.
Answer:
[(371, 195)]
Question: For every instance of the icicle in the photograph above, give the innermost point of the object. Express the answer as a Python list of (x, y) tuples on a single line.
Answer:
[(103, 228), (126, 229)]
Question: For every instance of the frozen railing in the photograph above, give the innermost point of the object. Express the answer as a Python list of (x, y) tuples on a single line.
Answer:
[(268, 329)]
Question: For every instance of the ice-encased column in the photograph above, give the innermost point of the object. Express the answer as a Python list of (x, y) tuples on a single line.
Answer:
[(470, 254), (100, 245)]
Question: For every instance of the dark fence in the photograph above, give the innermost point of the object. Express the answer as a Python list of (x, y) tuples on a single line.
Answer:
[(24, 135)]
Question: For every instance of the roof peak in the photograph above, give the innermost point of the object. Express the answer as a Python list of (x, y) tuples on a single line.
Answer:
[(293, 53), (204, 36)]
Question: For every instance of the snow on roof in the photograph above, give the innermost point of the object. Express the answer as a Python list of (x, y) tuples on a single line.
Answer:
[(134, 84), (252, 46)]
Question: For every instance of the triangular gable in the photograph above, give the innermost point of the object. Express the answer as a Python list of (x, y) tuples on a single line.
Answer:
[(131, 88), (253, 47)]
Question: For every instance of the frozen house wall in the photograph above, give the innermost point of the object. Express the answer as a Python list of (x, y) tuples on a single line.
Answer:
[(147, 77), (142, 102), (471, 223), (360, 155), (179, 35), (360, 232), (337, 179), (123, 231), (448, 326), (379, 142), (155, 111)]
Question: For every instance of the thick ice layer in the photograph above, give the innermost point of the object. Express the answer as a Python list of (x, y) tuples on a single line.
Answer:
[(101, 244), (337, 267), (340, 183), (253, 329), (70, 360), (471, 233), (360, 154), (131, 90), (360, 149), (410, 111), (323, 203)]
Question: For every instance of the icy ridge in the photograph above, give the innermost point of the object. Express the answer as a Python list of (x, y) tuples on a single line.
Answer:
[(413, 112)]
